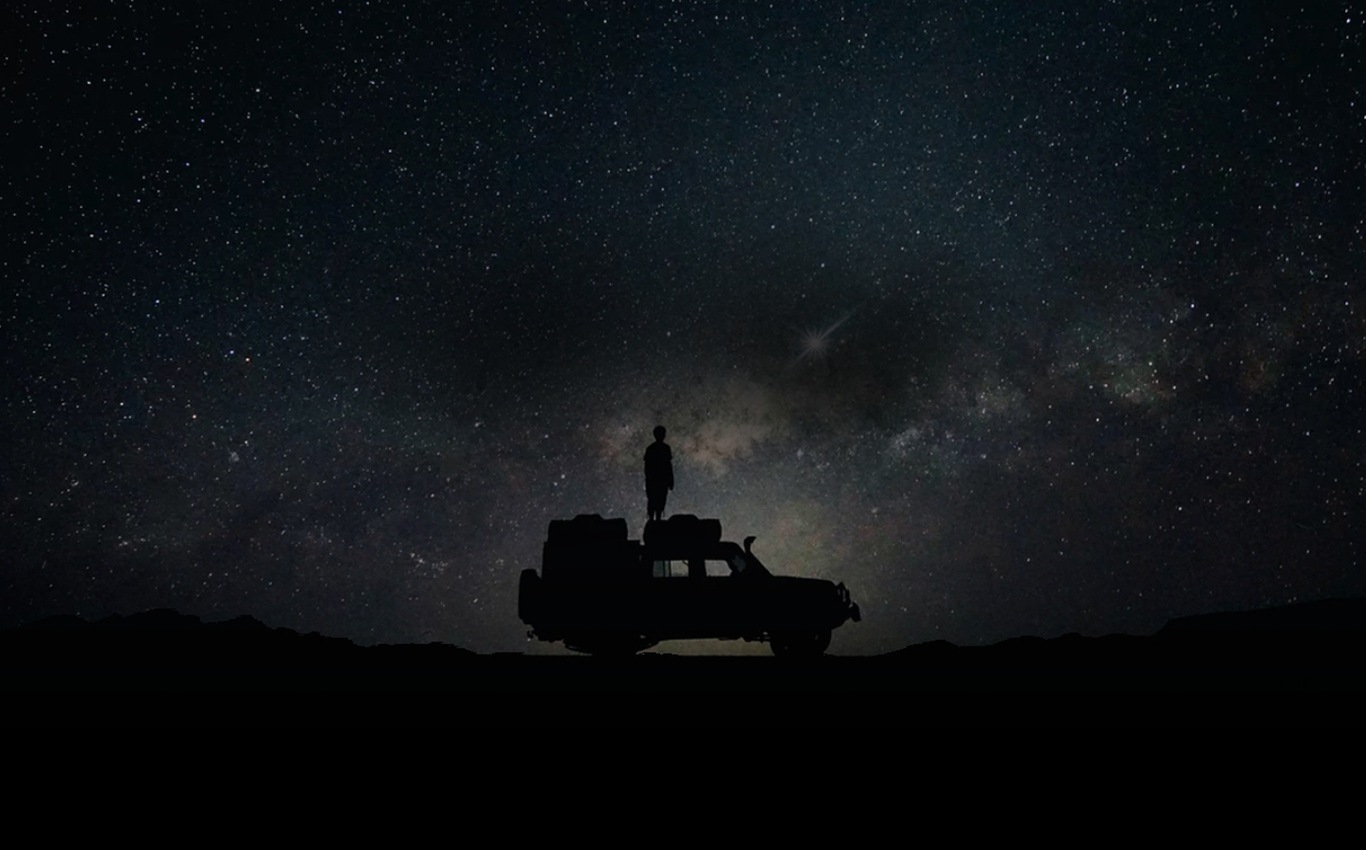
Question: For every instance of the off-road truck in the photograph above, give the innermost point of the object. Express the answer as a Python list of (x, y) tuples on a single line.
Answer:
[(600, 592)]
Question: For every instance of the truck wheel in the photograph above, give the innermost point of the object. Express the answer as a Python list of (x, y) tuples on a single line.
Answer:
[(528, 596)]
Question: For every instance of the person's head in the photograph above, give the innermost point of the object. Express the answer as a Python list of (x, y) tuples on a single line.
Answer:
[(660, 432)]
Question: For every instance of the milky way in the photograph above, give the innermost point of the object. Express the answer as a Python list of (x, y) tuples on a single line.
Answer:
[(1020, 320)]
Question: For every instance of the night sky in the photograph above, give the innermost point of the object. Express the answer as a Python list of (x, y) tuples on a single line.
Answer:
[(1018, 318)]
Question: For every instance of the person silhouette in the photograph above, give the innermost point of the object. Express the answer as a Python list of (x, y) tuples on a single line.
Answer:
[(659, 474)]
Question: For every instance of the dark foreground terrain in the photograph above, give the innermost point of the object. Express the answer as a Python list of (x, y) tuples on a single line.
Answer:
[(1302, 665)]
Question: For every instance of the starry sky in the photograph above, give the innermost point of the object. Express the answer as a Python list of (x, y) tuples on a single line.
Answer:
[(1017, 318)]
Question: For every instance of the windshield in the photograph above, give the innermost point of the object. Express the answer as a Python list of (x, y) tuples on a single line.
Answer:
[(744, 563)]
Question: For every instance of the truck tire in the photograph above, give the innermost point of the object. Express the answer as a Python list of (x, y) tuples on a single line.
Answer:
[(528, 596)]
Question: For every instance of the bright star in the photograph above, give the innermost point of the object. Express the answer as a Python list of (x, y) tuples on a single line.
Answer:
[(815, 344)]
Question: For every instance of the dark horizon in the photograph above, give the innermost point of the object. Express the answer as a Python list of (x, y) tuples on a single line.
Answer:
[(1016, 321), (1297, 666)]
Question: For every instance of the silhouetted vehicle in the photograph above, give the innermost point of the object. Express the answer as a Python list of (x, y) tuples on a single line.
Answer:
[(602, 593)]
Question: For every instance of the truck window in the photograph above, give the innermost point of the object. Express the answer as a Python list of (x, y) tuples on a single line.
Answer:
[(685, 569)]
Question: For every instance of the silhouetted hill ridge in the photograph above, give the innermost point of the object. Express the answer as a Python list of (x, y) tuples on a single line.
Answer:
[(1324, 615), (1316, 617), (165, 638), (1297, 665)]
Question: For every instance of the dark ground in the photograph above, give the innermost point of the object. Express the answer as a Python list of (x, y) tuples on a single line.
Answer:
[(1297, 666)]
